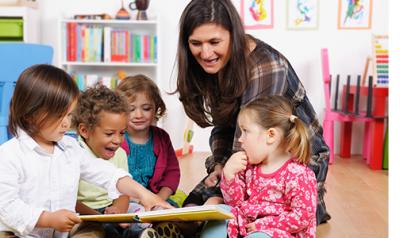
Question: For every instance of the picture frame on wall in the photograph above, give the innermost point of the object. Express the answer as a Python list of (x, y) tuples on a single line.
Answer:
[(302, 14), (257, 14), (354, 14)]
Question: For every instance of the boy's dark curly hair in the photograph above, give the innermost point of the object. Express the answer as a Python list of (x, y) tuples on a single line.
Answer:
[(95, 100)]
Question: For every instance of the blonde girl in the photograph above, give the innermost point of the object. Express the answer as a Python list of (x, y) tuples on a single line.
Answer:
[(268, 185)]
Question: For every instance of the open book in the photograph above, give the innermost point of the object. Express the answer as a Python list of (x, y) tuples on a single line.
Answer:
[(197, 213)]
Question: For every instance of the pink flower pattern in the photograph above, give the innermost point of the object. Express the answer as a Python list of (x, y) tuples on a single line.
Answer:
[(281, 204)]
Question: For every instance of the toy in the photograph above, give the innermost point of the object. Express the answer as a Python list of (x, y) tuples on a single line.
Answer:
[(122, 13)]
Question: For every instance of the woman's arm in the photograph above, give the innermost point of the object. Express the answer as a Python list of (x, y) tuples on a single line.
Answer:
[(221, 140)]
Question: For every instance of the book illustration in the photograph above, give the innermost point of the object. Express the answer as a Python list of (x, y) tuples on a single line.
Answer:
[(197, 213)]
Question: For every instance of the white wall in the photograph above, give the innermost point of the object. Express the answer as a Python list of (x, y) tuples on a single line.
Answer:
[(348, 49)]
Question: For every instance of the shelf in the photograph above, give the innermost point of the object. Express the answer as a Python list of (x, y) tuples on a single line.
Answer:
[(111, 22), (14, 11), (30, 22), (102, 64), (97, 50)]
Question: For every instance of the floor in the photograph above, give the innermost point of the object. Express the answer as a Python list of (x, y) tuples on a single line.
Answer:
[(357, 197)]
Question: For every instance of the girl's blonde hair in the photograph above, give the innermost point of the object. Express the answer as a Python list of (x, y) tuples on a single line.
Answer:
[(276, 111), (132, 85)]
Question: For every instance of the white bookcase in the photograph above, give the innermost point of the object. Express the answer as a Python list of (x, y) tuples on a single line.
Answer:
[(103, 65), (30, 19)]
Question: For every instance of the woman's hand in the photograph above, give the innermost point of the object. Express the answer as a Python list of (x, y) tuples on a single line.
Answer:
[(214, 177), (62, 220), (236, 163)]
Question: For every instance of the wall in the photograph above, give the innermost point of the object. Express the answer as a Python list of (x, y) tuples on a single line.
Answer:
[(348, 49)]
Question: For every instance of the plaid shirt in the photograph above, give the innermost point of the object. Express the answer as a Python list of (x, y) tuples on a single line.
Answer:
[(272, 74)]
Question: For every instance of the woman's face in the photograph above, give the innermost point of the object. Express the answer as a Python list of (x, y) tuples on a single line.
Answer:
[(210, 46)]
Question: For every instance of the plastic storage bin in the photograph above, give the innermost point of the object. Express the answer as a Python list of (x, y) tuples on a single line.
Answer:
[(11, 29)]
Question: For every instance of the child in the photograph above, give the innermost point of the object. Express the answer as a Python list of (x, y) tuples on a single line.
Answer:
[(40, 167), (151, 157), (268, 185), (100, 119)]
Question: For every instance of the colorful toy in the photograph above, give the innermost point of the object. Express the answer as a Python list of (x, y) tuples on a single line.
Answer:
[(122, 13), (380, 60)]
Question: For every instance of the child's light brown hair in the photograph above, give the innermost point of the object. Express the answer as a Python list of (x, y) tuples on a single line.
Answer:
[(95, 100), (276, 111), (42, 93), (132, 85)]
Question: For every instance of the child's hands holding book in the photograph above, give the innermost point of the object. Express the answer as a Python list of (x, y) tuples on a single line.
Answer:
[(117, 210), (62, 220)]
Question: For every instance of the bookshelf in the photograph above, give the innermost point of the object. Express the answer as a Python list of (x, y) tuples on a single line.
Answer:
[(96, 50), (18, 23)]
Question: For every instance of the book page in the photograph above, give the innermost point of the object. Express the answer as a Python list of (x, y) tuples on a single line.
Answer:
[(197, 213)]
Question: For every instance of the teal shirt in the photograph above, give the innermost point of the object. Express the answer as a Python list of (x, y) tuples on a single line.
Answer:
[(141, 160)]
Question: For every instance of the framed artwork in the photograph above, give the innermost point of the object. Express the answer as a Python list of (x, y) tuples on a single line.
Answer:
[(355, 14), (257, 14), (302, 14)]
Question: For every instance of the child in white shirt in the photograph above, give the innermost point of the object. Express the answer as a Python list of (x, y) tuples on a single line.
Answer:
[(40, 167)]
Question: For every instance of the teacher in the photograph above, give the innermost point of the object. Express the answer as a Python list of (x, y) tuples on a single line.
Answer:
[(221, 68)]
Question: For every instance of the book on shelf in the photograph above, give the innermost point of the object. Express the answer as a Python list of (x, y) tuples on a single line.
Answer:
[(93, 43), (196, 213)]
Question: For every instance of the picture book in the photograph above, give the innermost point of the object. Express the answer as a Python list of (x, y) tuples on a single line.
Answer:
[(197, 213)]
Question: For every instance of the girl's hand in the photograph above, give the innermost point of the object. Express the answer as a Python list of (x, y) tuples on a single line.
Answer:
[(115, 210), (236, 163), (251, 227), (150, 200), (62, 220), (112, 210)]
